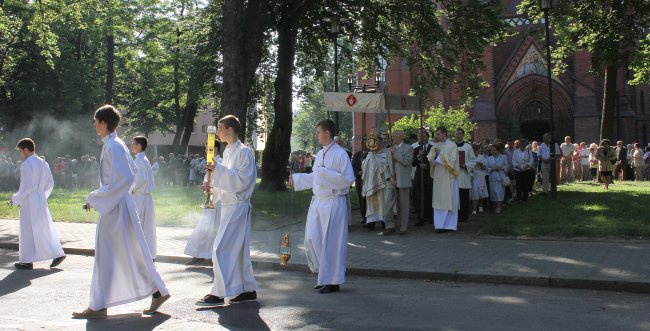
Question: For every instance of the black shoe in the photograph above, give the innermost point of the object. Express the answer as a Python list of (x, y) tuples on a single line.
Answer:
[(440, 231), (419, 223), (329, 289), (57, 261), (318, 287), (244, 297), (210, 300), (370, 225), (25, 266)]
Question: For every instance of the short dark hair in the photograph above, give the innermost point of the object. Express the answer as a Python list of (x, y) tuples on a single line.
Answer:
[(604, 141), (109, 115), (231, 121), (142, 141), (27, 143), (327, 125), (442, 129), (461, 130)]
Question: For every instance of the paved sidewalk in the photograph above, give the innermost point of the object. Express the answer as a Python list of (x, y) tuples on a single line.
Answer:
[(622, 266)]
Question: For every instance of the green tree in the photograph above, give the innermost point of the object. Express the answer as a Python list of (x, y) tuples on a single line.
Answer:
[(445, 39), (610, 30), (451, 118)]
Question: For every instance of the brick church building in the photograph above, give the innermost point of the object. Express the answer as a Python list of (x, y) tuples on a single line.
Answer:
[(516, 103)]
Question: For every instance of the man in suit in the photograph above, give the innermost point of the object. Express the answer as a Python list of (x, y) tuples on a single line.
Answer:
[(422, 183), (400, 158)]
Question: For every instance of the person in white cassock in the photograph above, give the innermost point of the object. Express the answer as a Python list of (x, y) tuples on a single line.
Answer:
[(141, 190), (466, 164), (200, 246), (235, 178), (38, 239), (124, 270), (326, 232), (444, 164)]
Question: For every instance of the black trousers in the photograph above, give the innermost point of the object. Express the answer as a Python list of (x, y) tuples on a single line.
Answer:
[(417, 196), (522, 179), (463, 211), (362, 200)]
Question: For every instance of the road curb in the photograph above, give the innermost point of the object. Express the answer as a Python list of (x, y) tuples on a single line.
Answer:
[(554, 282)]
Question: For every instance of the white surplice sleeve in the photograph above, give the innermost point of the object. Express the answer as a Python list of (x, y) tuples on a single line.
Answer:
[(46, 176), (139, 178), (120, 179), (470, 160), (237, 179), (27, 184), (303, 181)]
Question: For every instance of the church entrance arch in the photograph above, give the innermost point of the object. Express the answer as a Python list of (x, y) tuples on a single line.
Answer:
[(523, 109)]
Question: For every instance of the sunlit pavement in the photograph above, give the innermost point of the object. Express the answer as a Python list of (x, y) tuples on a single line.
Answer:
[(622, 266), (43, 299)]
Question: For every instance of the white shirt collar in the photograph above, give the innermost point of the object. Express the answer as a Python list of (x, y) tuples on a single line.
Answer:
[(328, 145), (111, 135)]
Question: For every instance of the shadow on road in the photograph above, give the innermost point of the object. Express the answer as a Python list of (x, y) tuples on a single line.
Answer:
[(241, 317), (19, 279), (132, 321)]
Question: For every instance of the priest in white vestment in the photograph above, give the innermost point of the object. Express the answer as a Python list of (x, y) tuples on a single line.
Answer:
[(124, 270), (235, 178), (326, 232), (444, 164), (373, 172), (141, 189), (38, 239)]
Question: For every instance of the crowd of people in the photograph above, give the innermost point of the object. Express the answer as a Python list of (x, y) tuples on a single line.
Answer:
[(82, 173), (491, 175)]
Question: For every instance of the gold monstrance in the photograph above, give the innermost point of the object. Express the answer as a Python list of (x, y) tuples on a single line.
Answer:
[(209, 157)]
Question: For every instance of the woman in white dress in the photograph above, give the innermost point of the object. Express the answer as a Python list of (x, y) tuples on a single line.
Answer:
[(479, 187), (496, 165)]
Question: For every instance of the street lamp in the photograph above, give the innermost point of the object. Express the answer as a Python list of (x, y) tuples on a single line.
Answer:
[(334, 29), (351, 83), (546, 6)]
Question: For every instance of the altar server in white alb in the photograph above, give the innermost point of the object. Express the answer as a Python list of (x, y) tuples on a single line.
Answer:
[(38, 239), (141, 190), (200, 246), (235, 178), (124, 270), (326, 232)]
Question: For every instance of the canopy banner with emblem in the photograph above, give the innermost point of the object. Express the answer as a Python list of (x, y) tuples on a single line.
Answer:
[(371, 103)]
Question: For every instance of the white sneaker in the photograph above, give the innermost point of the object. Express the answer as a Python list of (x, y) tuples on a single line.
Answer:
[(473, 212), (480, 209)]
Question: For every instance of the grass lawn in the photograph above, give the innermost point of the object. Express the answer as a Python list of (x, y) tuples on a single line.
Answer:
[(180, 206), (582, 210)]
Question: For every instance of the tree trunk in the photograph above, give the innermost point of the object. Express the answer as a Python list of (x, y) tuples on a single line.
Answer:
[(177, 85), (278, 146), (191, 108), (110, 70), (244, 23), (609, 103)]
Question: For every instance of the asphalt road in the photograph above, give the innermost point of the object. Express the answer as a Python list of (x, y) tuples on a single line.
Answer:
[(43, 299)]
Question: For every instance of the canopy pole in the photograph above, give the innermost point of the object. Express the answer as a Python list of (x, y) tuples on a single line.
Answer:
[(392, 159)]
